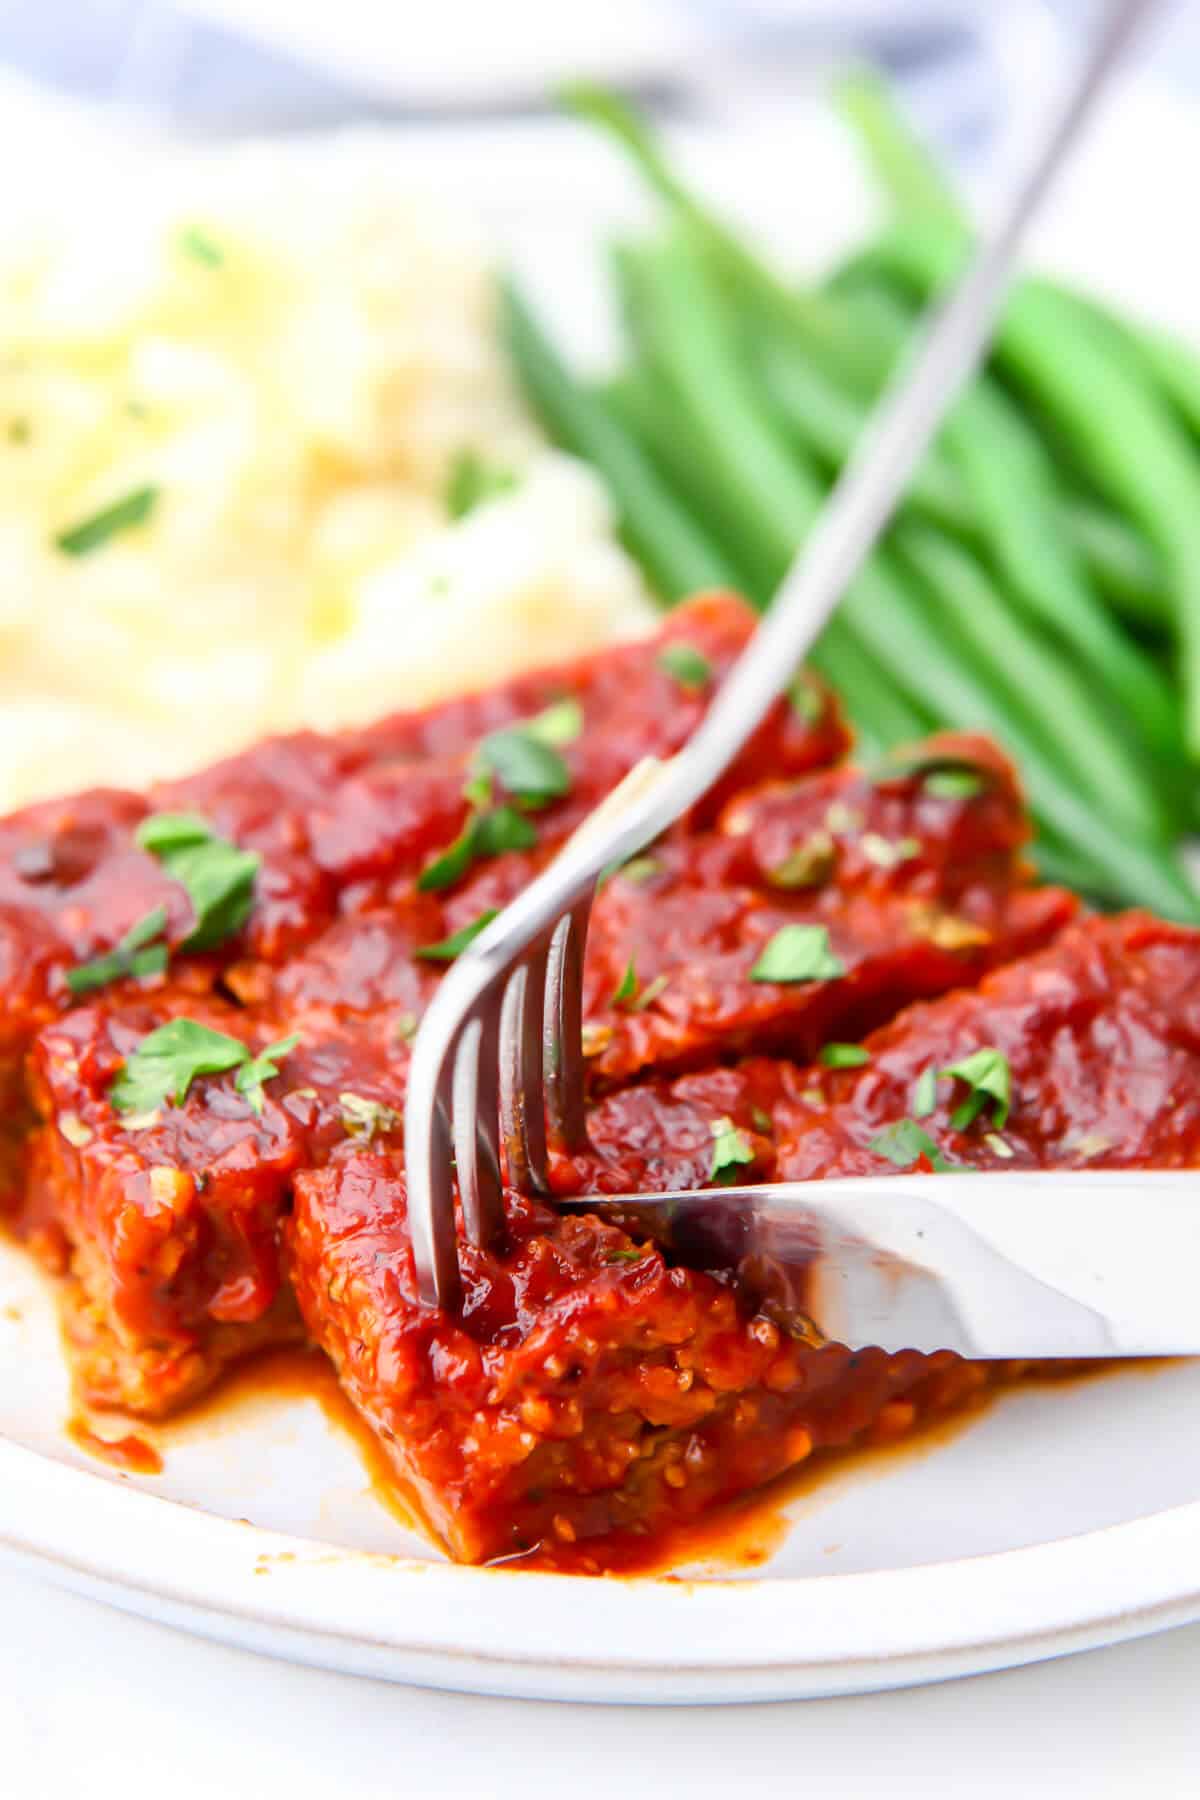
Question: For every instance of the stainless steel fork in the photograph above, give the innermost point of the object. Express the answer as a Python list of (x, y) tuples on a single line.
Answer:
[(499, 1052)]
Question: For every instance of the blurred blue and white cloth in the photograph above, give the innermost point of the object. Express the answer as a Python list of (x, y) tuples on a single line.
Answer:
[(212, 67)]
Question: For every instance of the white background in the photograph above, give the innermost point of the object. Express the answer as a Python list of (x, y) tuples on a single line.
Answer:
[(93, 1704)]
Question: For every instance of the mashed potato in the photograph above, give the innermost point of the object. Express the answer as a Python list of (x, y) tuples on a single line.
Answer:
[(267, 366)]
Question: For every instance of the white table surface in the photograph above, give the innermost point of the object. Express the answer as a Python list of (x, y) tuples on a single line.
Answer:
[(94, 1703)]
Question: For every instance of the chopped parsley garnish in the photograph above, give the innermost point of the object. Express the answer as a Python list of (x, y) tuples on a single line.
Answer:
[(218, 877), (925, 1093), (472, 480), (798, 953), (108, 523), (691, 670), (559, 723), (626, 990), (731, 1151), (987, 1074), (904, 1143), (624, 1256), (953, 784), (203, 249), (458, 941), (810, 864), (630, 993), (262, 1068), (888, 853), (363, 1118), (844, 1056), (484, 834), (640, 868), (165, 1064), (951, 777), (807, 698), (137, 954), (526, 767), (651, 991)]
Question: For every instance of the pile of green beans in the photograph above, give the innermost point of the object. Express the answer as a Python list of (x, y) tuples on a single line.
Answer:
[(1041, 581)]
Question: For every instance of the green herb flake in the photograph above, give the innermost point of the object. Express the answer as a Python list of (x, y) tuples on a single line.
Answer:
[(925, 1093), (904, 1143), (762, 1121), (525, 767), (626, 990), (798, 953), (458, 941), (685, 663), (201, 248), (136, 955), (731, 1151), (558, 724), (19, 431), (651, 991), (809, 865), (625, 1256), (366, 1118), (217, 876), (987, 1074), (844, 1056), (109, 522), (844, 820), (639, 869), (888, 853), (806, 697), (165, 1064), (477, 789), (953, 784), (472, 480), (262, 1068), (486, 834)]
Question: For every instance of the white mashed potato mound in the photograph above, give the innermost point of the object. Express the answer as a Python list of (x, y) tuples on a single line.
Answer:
[(291, 356)]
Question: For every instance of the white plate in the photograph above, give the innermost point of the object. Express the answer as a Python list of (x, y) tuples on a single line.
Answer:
[(1058, 1520)]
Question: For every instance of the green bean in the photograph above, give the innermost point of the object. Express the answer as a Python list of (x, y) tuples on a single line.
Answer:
[(828, 422), (677, 554), (882, 717), (920, 647), (1039, 686), (1121, 563), (1066, 868), (1013, 495), (904, 168), (687, 332), (1012, 484), (647, 408), (1120, 429)]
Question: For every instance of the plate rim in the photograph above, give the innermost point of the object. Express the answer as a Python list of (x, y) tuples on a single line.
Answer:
[(649, 1639)]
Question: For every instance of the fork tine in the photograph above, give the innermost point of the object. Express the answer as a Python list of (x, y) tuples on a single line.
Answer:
[(563, 1026), (476, 1126), (522, 1091), (430, 1167)]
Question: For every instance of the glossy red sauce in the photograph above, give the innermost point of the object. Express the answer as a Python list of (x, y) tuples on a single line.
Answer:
[(589, 1391)]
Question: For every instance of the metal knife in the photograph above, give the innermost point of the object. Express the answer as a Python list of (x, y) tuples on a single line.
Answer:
[(1054, 1264)]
